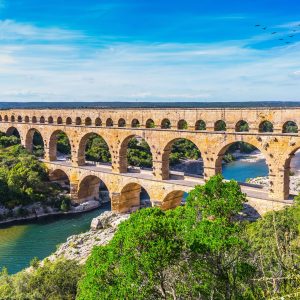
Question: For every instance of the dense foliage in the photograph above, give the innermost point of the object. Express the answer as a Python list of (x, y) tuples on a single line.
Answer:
[(199, 251), (24, 179), (52, 280)]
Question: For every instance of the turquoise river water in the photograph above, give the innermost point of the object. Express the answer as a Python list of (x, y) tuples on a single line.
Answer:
[(20, 243)]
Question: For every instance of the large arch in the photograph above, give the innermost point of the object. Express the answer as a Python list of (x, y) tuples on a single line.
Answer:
[(59, 146), (131, 197), (243, 161), (13, 131), (92, 187), (34, 142), (135, 151), (93, 148), (176, 152)]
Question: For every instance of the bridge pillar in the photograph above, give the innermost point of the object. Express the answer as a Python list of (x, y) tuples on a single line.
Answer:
[(279, 183), (74, 186), (212, 167), (119, 164), (123, 202), (161, 169)]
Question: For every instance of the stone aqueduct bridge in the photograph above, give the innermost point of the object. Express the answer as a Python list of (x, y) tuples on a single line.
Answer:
[(118, 126)]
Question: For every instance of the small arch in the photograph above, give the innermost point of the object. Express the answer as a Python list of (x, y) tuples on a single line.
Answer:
[(59, 120), (12, 118), (109, 122), (34, 119), (98, 122), (266, 126), (88, 121), (92, 187), (290, 127), (150, 123), (20, 119), (50, 120), (42, 120), (121, 123), (135, 123), (6, 118), (26, 119), (220, 125), (165, 124), (200, 125), (242, 126), (68, 121), (131, 197), (78, 121), (182, 124)]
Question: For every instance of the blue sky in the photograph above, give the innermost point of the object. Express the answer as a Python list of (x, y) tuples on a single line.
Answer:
[(154, 50)]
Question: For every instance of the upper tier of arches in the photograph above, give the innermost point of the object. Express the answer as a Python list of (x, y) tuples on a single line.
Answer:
[(240, 126)]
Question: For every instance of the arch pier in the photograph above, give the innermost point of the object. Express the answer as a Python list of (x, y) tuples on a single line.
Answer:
[(274, 132)]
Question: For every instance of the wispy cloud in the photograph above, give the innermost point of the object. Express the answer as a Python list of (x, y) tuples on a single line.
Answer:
[(73, 70)]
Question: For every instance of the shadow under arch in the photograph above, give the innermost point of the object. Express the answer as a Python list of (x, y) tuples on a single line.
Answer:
[(92, 187), (184, 156), (172, 200), (242, 126), (135, 151), (13, 131), (290, 127), (94, 149), (61, 178), (133, 196), (59, 143)]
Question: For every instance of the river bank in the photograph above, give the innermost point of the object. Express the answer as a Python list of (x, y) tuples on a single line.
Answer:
[(38, 211)]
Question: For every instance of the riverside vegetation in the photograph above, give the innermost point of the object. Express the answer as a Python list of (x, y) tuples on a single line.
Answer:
[(203, 250)]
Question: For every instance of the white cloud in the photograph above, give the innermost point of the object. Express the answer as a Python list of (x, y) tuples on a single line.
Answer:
[(73, 71)]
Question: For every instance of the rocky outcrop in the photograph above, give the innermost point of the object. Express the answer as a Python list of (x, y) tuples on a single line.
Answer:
[(79, 247)]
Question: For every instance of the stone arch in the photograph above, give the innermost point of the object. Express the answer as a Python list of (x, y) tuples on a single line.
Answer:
[(30, 143), (220, 125), (241, 126), (78, 121), (169, 148), (98, 122), (12, 118), (0, 118), (165, 124), (34, 119), (59, 120), (290, 127), (182, 124), (68, 121), (109, 122), (6, 118), (42, 120), (50, 120), (135, 123), (121, 123), (13, 131), (253, 143), (27, 119), (124, 163), (130, 197), (81, 154), (20, 119), (62, 178), (54, 148), (89, 188), (150, 123), (172, 200), (200, 125), (88, 121), (265, 126)]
